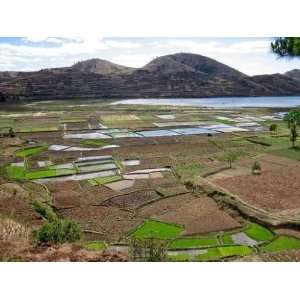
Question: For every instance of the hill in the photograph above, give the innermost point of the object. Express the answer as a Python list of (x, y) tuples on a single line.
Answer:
[(178, 75)]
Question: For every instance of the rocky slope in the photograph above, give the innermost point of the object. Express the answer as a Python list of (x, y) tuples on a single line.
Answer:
[(178, 75)]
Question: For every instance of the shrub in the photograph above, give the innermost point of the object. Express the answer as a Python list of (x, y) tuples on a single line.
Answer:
[(256, 168), (44, 210), (273, 127), (58, 232), (148, 250), (231, 156)]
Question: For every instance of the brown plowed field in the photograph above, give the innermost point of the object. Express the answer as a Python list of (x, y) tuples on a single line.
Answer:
[(275, 190), (197, 214)]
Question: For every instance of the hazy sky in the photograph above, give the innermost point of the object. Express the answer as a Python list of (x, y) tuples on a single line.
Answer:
[(249, 55)]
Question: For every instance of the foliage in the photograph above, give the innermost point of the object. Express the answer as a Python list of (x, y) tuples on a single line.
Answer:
[(293, 120), (188, 171), (256, 168), (58, 232), (151, 250), (282, 243), (44, 210), (231, 156), (286, 46), (157, 230), (258, 232), (293, 134), (273, 127), (293, 116)]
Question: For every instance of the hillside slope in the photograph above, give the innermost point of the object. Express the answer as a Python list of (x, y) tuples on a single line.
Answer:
[(177, 75)]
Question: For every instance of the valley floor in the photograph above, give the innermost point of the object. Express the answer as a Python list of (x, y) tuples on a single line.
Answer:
[(126, 172)]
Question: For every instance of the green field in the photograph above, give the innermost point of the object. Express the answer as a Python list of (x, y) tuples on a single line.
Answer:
[(226, 239), (222, 252), (38, 174), (93, 142), (258, 232), (291, 153), (282, 243), (211, 254), (157, 230), (95, 245), (188, 171), (183, 243), (108, 179), (29, 151), (14, 172)]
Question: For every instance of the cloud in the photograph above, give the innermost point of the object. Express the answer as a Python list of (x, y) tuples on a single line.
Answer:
[(38, 39), (214, 47), (122, 45)]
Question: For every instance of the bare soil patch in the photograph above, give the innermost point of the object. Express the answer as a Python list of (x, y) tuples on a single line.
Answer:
[(273, 190), (197, 214), (132, 200)]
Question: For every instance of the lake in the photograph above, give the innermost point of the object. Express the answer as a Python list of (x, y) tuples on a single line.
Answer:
[(221, 102)]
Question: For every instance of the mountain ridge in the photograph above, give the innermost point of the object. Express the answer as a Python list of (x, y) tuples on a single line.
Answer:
[(183, 75)]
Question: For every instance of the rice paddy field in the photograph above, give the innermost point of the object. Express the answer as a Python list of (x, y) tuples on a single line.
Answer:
[(134, 172)]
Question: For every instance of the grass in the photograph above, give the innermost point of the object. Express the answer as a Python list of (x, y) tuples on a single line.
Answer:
[(291, 153), (157, 230), (211, 254), (179, 257), (14, 172), (95, 245), (282, 243), (258, 232), (226, 239), (93, 142), (27, 129), (48, 173), (222, 252), (119, 118), (29, 151), (235, 251), (40, 174), (104, 180), (184, 243), (188, 171)]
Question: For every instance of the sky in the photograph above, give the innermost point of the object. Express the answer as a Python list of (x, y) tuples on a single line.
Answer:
[(251, 56)]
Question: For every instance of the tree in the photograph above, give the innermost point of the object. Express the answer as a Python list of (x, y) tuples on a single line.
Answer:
[(256, 168), (58, 232), (11, 132), (286, 46), (230, 156), (273, 128), (148, 250), (293, 120), (294, 134)]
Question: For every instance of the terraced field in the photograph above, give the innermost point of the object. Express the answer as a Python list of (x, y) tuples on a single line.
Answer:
[(161, 173)]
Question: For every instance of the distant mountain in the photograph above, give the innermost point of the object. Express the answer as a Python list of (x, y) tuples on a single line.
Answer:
[(178, 75), (294, 74), (99, 66), (187, 62)]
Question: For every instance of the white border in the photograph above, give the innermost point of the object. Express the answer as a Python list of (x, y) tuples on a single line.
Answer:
[(155, 18)]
